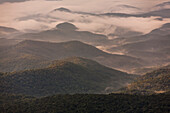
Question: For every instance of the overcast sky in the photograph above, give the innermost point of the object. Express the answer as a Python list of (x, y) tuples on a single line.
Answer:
[(12, 10)]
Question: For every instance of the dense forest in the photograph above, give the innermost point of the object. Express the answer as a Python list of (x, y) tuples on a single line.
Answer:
[(67, 76), (86, 103), (157, 81), (85, 56)]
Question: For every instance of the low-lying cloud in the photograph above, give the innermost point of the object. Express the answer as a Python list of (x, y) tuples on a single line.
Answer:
[(11, 1), (85, 22), (36, 15)]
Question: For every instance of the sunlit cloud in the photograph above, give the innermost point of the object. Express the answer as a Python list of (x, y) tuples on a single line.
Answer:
[(38, 17)]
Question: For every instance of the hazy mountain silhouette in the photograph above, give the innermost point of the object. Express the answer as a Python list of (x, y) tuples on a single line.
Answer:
[(152, 47), (66, 32), (4, 31), (61, 9), (3, 1), (28, 54), (164, 13), (163, 5)]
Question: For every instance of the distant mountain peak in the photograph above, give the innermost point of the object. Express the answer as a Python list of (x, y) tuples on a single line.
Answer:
[(129, 6), (163, 4), (62, 9), (66, 26), (167, 25), (8, 28)]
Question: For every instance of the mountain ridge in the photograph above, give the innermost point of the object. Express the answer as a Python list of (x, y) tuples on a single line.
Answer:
[(47, 51), (157, 81), (72, 75)]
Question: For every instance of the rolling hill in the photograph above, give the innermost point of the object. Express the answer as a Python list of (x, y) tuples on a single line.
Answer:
[(36, 54), (157, 81), (152, 47), (4, 31), (6, 43), (68, 76)]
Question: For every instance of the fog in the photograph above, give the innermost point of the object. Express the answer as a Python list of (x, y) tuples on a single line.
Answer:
[(37, 16)]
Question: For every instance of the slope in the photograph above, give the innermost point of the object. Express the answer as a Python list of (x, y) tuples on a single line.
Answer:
[(30, 54), (157, 81), (72, 75), (7, 30), (152, 47)]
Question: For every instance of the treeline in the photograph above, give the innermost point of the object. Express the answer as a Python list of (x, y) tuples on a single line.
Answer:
[(86, 103)]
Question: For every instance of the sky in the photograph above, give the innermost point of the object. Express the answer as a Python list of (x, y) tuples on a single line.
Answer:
[(27, 15)]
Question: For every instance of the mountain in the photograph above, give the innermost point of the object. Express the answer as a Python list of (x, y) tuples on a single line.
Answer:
[(122, 32), (66, 27), (4, 31), (65, 32), (129, 7), (164, 5), (157, 81), (164, 13), (152, 47), (7, 42), (61, 9), (36, 54), (12, 1), (163, 30), (72, 75)]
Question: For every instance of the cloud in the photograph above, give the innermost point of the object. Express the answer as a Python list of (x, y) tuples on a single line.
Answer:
[(35, 15), (12, 1), (99, 24)]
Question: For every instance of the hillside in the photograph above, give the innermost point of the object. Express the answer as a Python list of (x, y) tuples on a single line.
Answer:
[(85, 103), (157, 81), (152, 47), (4, 31), (36, 54), (72, 75)]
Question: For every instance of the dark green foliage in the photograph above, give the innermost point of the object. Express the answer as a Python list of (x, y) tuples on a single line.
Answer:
[(157, 81), (1, 74), (86, 103), (72, 75)]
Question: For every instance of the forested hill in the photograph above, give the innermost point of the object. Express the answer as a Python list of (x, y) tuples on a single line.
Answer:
[(157, 81), (72, 75)]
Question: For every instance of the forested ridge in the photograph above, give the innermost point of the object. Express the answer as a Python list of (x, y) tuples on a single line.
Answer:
[(67, 76), (157, 81)]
